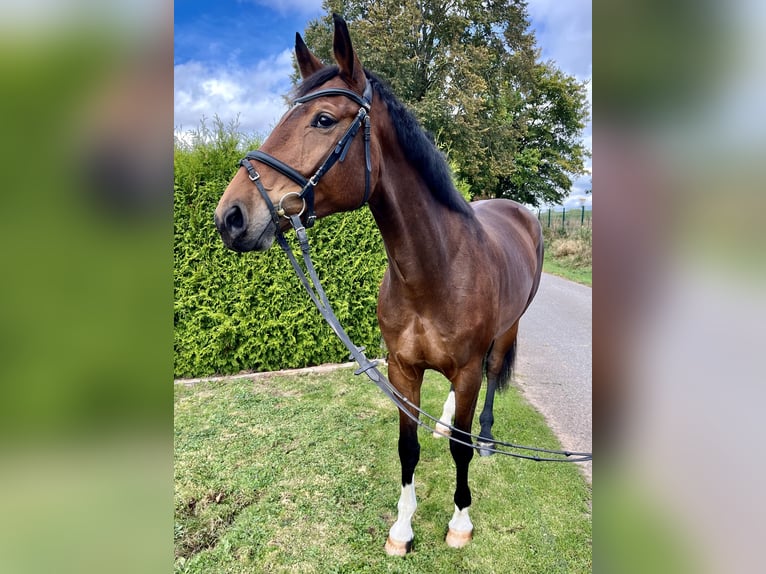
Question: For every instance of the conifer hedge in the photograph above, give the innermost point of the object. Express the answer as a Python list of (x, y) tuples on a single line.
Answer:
[(240, 312)]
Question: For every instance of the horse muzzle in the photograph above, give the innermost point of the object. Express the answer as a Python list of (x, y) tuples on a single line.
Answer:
[(241, 234)]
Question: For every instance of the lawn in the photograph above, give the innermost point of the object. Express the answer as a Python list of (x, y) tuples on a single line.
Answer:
[(300, 473), (583, 275)]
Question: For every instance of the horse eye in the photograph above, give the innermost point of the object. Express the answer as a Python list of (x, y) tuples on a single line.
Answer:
[(324, 121)]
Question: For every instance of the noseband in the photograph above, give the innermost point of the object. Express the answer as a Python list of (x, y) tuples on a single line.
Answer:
[(338, 154)]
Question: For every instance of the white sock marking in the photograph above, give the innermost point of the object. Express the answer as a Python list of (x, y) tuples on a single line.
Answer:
[(460, 521), (401, 531)]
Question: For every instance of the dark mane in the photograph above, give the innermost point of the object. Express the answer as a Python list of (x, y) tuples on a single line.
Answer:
[(417, 144)]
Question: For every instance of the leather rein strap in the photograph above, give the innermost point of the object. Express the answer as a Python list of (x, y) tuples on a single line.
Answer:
[(319, 298), (316, 291)]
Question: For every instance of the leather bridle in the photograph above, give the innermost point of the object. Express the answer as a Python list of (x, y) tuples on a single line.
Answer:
[(306, 194)]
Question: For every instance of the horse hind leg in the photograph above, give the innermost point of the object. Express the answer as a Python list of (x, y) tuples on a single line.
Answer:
[(487, 419), (448, 412), (499, 367)]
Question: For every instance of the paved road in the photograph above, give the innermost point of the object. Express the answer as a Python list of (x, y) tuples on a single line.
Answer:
[(554, 361)]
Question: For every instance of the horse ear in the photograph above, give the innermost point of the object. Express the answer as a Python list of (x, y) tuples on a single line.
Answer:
[(350, 67), (308, 63)]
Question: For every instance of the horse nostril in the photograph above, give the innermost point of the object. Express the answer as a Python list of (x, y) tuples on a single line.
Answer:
[(234, 220)]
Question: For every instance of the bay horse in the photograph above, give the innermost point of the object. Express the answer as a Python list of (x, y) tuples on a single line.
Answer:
[(459, 277)]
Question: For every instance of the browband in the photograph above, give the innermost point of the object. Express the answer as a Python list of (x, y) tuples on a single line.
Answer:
[(365, 100)]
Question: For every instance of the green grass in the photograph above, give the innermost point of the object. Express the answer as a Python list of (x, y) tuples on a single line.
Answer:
[(563, 269), (301, 474)]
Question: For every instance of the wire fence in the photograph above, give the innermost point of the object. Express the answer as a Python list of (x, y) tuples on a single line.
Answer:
[(562, 218)]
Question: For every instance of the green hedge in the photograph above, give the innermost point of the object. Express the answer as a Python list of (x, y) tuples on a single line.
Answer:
[(236, 312)]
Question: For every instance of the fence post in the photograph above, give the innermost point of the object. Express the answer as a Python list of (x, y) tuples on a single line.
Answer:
[(582, 216), (549, 217), (563, 217)]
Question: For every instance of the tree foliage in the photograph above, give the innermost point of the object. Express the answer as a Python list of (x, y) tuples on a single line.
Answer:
[(472, 74)]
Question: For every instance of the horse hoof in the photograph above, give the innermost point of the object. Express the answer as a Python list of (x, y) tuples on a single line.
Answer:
[(397, 547), (458, 538), (443, 431), (484, 448)]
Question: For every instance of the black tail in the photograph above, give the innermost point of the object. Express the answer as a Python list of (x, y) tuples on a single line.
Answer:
[(506, 370)]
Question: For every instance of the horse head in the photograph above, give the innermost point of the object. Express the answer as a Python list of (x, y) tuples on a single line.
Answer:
[(317, 160)]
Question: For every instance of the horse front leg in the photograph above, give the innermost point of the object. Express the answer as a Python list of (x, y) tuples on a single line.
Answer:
[(401, 536), (466, 386)]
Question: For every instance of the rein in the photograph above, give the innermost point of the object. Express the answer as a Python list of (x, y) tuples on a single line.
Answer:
[(317, 294)]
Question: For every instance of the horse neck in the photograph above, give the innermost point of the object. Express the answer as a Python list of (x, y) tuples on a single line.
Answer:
[(421, 235)]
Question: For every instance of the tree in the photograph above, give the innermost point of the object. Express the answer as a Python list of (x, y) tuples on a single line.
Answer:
[(470, 71)]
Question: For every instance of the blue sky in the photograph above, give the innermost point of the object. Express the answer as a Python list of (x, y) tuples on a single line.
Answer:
[(233, 57)]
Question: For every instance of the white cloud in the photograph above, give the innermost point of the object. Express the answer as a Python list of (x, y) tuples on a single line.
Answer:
[(225, 89), (564, 32), (254, 94)]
